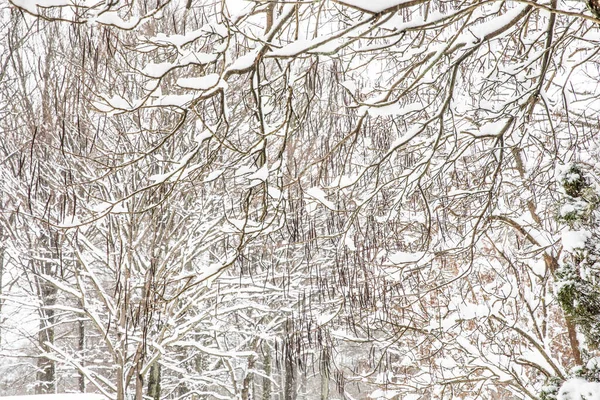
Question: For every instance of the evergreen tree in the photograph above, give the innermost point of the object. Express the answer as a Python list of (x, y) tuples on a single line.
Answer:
[(578, 278)]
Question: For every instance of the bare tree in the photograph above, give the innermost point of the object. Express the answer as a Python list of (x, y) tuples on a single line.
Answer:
[(275, 197)]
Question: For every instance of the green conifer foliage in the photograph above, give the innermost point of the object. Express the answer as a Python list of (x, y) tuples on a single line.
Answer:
[(578, 277)]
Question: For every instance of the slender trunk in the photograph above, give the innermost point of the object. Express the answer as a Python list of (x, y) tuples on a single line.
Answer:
[(122, 291), (266, 383), (120, 383), (290, 378), (139, 382), (121, 356), (289, 365), (552, 265), (325, 374), (270, 16), (154, 381), (46, 374), (82, 354), (247, 384), (573, 341), (324, 386)]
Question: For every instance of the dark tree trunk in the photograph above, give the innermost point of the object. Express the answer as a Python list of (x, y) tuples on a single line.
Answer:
[(248, 380), (266, 386), (81, 346), (46, 374), (325, 365), (290, 378), (154, 381)]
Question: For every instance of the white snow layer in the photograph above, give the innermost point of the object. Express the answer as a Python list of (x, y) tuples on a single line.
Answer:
[(578, 389), (319, 195), (199, 83), (32, 5), (572, 240), (401, 257), (374, 6), (113, 18)]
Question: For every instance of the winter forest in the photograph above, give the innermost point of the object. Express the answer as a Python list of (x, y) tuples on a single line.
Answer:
[(300, 200)]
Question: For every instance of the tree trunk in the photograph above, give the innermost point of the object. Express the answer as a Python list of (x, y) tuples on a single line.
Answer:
[(573, 341), (266, 385), (120, 383), (139, 382), (290, 378), (154, 381), (270, 16), (82, 354), (246, 393), (46, 374), (325, 374)]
